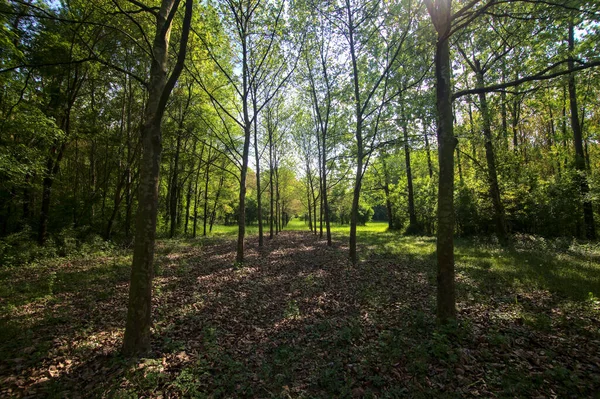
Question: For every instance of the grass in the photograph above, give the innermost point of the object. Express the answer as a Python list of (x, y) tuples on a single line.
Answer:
[(341, 230), (221, 230), (297, 320), (570, 270)]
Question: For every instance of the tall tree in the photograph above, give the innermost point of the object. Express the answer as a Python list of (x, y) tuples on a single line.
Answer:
[(359, 24), (160, 85), (256, 26), (580, 165), (441, 16)]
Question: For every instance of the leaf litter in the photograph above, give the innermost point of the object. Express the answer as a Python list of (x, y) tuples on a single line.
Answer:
[(297, 319)]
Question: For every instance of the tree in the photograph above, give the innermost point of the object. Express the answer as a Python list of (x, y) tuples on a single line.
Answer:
[(160, 85), (441, 17), (588, 212), (255, 60), (359, 24)]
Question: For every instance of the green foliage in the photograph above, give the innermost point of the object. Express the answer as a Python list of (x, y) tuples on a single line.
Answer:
[(365, 213), (20, 248), (465, 207)]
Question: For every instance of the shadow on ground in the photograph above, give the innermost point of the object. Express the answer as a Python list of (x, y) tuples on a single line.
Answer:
[(298, 320)]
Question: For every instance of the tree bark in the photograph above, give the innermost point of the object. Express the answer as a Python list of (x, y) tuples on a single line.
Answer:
[(427, 150), (139, 312), (440, 12), (174, 187), (213, 214), (52, 168), (271, 170), (413, 226), (206, 181), (580, 166), (499, 217), (197, 194), (257, 160), (245, 154), (359, 139)]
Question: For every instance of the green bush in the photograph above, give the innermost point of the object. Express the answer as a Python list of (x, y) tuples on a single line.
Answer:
[(365, 213), (21, 248)]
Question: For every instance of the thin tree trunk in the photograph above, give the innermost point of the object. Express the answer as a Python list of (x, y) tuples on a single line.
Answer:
[(460, 173), (188, 200), (388, 206), (440, 12), (428, 151), (27, 198), (359, 139), (499, 216), (588, 212), (197, 194), (320, 209), (386, 190), (214, 210), (271, 186), (117, 201), (413, 226), (257, 161), (310, 226), (52, 168), (128, 181), (246, 150), (173, 188), (206, 181), (277, 201), (515, 124)]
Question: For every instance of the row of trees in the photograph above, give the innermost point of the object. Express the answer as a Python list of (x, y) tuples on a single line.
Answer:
[(349, 92), (104, 118), (497, 104), (71, 148)]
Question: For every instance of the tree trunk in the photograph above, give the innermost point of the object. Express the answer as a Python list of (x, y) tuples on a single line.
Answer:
[(246, 151), (197, 194), (188, 202), (440, 12), (588, 212), (52, 168), (257, 160), (515, 123), (413, 226), (320, 209), (427, 150), (206, 181), (271, 187), (310, 226), (388, 206), (490, 157), (277, 201), (386, 190), (359, 139), (460, 173), (117, 201), (139, 312), (129, 179), (174, 196), (324, 196), (27, 198), (214, 210)]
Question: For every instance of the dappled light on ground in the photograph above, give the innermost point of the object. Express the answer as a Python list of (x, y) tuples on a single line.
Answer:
[(297, 319)]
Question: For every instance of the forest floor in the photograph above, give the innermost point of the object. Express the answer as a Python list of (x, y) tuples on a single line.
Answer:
[(297, 320)]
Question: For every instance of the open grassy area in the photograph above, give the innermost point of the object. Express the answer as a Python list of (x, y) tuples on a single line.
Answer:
[(298, 320)]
